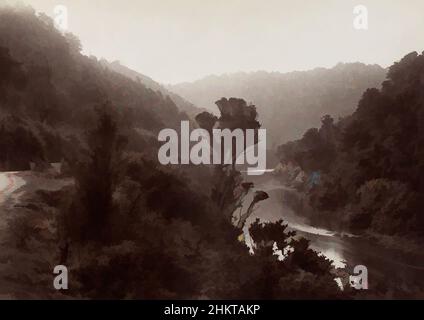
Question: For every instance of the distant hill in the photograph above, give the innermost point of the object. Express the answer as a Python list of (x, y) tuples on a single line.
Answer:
[(288, 103), (181, 103)]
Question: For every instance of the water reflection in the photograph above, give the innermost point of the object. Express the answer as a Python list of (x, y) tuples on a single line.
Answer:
[(385, 266)]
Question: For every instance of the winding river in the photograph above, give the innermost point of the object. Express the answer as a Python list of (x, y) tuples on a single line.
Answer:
[(385, 266)]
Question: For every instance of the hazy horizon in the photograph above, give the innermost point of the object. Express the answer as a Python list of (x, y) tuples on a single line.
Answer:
[(184, 41)]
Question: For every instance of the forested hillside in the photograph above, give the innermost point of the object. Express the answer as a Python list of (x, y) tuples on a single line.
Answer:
[(181, 103), (370, 163), (49, 91), (289, 103), (127, 226)]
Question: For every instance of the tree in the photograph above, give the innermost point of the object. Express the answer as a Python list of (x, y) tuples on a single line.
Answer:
[(206, 121), (74, 43), (97, 177), (10, 70), (235, 114)]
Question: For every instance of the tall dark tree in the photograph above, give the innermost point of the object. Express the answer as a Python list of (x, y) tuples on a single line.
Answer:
[(234, 114), (97, 177)]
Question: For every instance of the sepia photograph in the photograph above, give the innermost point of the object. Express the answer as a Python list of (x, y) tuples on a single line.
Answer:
[(204, 150)]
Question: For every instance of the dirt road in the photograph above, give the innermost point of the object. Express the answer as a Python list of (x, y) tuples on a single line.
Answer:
[(9, 183)]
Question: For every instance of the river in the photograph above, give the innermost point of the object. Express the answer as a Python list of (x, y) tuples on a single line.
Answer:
[(385, 266)]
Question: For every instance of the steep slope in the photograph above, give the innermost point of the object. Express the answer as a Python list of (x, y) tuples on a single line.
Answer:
[(181, 103), (289, 103), (49, 91)]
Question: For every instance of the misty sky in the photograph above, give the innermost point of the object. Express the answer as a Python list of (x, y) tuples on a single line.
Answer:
[(183, 40)]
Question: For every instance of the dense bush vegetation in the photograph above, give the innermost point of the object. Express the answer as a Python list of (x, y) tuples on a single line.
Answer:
[(48, 85), (372, 162), (289, 103), (125, 226)]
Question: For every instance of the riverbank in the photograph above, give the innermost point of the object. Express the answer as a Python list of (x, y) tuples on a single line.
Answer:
[(297, 202), (395, 264)]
